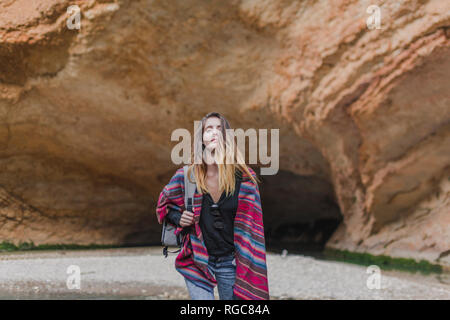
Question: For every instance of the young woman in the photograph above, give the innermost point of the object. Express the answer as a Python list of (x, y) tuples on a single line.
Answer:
[(223, 238)]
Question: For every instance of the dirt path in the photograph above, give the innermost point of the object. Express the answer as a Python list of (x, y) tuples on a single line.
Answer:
[(143, 273)]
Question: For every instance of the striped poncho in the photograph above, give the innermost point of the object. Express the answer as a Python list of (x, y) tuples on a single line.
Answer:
[(192, 261)]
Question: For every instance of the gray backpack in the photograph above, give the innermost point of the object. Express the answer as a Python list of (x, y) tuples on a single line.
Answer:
[(168, 237)]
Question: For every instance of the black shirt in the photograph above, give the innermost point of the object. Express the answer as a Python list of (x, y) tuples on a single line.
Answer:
[(218, 242)]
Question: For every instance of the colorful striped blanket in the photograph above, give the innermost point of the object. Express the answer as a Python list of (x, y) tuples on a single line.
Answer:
[(192, 261)]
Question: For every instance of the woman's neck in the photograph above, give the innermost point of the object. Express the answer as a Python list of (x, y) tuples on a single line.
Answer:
[(212, 170)]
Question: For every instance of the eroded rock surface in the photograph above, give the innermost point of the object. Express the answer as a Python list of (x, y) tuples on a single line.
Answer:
[(364, 115)]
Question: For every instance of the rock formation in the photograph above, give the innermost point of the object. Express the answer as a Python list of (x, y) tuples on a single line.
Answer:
[(364, 114)]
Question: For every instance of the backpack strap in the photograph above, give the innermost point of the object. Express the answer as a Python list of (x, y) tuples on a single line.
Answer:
[(189, 189)]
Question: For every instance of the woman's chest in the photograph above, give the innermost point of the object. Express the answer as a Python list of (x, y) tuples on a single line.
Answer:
[(214, 191), (215, 195), (227, 205)]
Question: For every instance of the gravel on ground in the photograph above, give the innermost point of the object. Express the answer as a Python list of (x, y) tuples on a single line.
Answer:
[(144, 273)]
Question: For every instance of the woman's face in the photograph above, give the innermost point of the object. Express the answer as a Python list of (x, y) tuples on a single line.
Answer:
[(212, 132)]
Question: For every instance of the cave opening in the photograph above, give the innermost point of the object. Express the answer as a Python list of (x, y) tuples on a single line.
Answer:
[(300, 213)]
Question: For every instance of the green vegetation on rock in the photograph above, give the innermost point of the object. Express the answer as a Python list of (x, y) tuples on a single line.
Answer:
[(384, 262)]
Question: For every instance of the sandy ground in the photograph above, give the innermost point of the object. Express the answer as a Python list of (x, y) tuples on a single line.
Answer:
[(143, 273)]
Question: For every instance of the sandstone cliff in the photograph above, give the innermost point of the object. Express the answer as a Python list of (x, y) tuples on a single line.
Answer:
[(364, 114)]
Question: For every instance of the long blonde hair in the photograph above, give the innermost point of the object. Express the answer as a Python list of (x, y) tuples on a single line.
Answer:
[(223, 151)]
